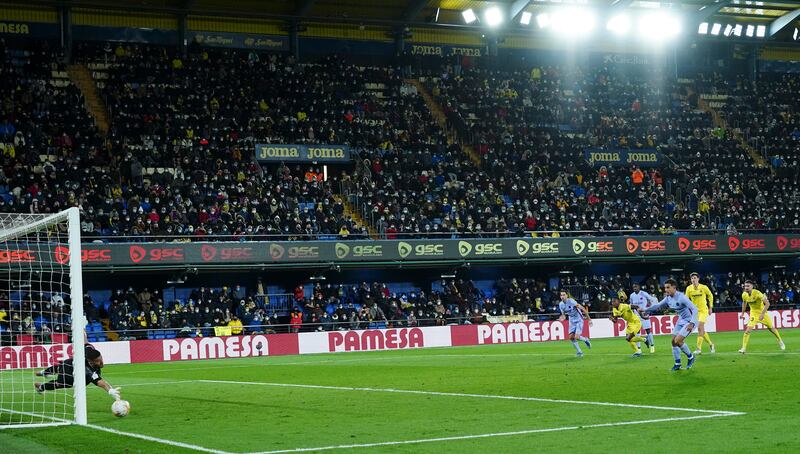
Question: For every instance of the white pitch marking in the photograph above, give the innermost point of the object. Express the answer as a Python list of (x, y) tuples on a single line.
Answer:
[(123, 385), (368, 357), (489, 435), (310, 362), (61, 422), (56, 421), (156, 439), (481, 396)]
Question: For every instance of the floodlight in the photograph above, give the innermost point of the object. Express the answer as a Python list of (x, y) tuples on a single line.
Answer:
[(715, 29), (750, 31), (761, 31), (703, 29), (469, 16), (525, 19), (737, 30), (493, 16), (728, 30)]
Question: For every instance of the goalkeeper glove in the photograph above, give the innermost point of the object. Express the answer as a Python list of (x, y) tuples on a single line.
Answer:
[(114, 392)]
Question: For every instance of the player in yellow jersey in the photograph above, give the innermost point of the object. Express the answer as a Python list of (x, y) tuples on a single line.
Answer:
[(625, 312), (702, 297), (758, 314)]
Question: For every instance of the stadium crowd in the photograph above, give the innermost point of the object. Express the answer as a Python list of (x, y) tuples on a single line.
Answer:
[(178, 160)]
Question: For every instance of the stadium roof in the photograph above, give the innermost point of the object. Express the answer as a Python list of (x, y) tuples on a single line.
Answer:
[(448, 13)]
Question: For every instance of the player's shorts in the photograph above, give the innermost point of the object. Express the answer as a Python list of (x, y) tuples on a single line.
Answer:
[(633, 328), (702, 315), (682, 329), (646, 323), (576, 327), (754, 320)]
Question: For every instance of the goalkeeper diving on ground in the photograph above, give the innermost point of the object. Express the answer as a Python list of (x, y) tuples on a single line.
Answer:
[(65, 370)]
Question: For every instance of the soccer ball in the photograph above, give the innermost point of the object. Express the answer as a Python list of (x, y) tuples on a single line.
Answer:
[(120, 408)]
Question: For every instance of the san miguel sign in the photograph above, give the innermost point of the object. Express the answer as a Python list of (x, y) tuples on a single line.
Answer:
[(103, 255)]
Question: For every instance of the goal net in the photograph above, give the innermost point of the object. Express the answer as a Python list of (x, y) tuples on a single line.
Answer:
[(41, 319)]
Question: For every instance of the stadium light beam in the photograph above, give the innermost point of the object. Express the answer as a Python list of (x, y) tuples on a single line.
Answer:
[(573, 22), (619, 24), (543, 20), (703, 28), (469, 16), (525, 19), (493, 16), (715, 29), (659, 26)]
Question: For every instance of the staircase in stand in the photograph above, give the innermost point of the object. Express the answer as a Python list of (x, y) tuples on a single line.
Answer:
[(356, 215), (438, 114), (720, 122), (82, 78)]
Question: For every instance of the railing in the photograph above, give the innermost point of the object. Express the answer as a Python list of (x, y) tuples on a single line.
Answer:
[(280, 302), (420, 235)]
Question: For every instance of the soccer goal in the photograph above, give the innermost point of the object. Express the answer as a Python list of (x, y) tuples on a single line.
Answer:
[(41, 318)]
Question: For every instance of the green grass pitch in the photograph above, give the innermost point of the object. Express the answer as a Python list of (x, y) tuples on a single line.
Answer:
[(357, 402)]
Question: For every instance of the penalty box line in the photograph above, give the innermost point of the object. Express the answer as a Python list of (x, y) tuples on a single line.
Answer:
[(479, 396), (492, 435), (706, 414)]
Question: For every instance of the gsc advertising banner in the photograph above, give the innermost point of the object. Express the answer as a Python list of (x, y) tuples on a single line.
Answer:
[(643, 158), (281, 152), (99, 255)]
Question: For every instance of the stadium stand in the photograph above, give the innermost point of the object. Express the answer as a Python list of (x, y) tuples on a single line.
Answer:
[(149, 313), (178, 158)]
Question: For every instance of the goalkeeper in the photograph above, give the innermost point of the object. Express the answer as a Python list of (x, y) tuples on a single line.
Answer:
[(65, 370)]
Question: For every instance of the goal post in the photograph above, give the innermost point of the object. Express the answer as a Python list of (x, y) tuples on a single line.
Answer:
[(41, 319)]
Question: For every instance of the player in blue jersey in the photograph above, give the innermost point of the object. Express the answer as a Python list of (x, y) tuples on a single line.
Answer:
[(644, 300), (576, 314), (687, 320)]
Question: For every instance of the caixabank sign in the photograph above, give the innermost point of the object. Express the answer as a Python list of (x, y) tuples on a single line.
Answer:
[(98, 255)]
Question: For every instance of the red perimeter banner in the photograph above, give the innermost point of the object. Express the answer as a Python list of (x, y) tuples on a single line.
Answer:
[(189, 349)]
